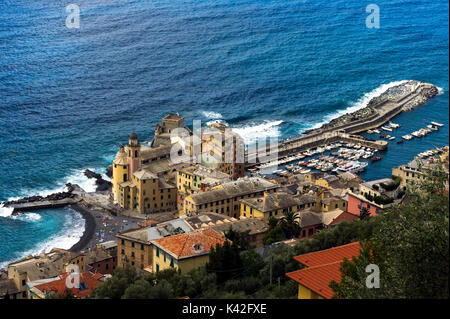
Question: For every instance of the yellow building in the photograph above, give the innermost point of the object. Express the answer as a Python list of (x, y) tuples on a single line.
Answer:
[(412, 173), (273, 205), (326, 201), (196, 178), (139, 189), (185, 251), (134, 246), (225, 199)]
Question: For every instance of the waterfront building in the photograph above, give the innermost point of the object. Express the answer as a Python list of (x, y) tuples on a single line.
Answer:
[(223, 150), (320, 269), (225, 199), (412, 173), (185, 251)]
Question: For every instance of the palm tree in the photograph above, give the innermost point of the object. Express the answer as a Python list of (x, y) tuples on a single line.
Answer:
[(364, 212), (289, 223)]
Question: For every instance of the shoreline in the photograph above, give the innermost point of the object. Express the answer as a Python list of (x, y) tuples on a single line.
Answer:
[(89, 228)]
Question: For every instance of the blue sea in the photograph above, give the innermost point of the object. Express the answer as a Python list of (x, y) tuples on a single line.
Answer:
[(69, 97)]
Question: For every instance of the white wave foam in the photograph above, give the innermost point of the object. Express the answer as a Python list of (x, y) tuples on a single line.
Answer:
[(359, 104), (69, 235), (75, 177), (5, 211), (28, 217), (251, 134), (440, 90), (212, 115)]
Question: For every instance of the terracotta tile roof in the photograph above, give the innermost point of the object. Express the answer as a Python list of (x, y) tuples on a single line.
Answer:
[(87, 280), (345, 216), (318, 278), (323, 267), (186, 245), (329, 256)]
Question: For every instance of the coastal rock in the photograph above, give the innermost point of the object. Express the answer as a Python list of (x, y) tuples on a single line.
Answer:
[(109, 171), (102, 185)]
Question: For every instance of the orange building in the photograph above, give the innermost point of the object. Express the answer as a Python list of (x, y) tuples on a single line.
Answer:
[(321, 268)]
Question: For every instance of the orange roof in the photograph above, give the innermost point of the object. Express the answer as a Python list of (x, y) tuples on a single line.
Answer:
[(190, 244), (329, 256), (322, 267), (58, 286), (318, 278)]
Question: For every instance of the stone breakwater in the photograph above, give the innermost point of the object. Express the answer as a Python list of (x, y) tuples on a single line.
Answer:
[(419, 91), (51, 197)]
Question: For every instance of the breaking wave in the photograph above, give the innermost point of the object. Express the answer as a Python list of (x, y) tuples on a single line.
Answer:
[(251, 134)]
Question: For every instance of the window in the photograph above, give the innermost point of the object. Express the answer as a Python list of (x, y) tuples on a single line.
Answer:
[(171, 262), (157, 252), (157, 267), (132, 244), (142, 246), (132, 254), (123, 252), (310, 231)]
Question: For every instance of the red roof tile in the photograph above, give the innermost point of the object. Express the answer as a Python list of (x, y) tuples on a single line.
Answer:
[(323, 267), (58, 286), (184, 245), (329, 256), (318, 278)]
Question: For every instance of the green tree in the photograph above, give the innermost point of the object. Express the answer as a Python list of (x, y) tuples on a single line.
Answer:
[(290, 225), (114, 287), (238, 238), (274, 235), (225, 261), (364, 212)]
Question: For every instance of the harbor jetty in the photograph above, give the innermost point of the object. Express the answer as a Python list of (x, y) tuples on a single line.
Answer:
[(380, 110), (74, 195)]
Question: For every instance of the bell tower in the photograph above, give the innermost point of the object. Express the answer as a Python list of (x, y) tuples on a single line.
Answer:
[(133, 154)]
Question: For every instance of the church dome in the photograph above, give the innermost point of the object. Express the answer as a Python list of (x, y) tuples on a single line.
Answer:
[(121, 157)]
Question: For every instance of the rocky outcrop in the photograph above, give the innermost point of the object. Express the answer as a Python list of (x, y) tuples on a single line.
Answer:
[(102, 185)]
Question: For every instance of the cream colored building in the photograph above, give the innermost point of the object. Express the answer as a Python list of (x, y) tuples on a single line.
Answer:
[(225, 199)]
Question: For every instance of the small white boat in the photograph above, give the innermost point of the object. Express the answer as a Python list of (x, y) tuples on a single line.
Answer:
[(437, 124), (394, 125), (392, 138), (407, 137), (386, 128), (376, 131)]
